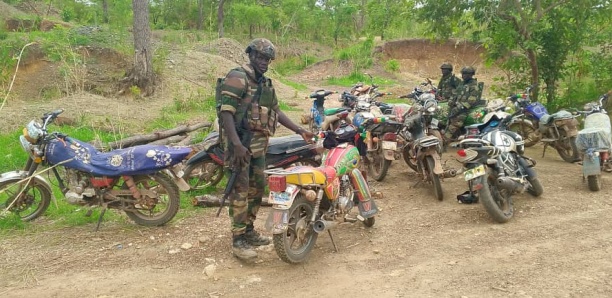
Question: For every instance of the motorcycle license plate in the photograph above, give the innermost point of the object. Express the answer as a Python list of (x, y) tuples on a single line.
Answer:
[(278, 197), (474, 173), (388, 145), (434, 122)]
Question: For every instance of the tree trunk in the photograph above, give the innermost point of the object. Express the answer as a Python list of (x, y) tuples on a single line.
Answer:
[(535, 76), (142, 74), (220, 18), (105, 11), (200, 14)]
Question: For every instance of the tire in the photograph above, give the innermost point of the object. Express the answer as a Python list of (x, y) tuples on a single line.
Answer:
[(536, 188), (498, 204), (594, 182), (32, 202), (411, 162), (299, 216), (203, 174), (369, 222), (567, 149), (167, 200), (435, 179), (530, 134), (378, 166)]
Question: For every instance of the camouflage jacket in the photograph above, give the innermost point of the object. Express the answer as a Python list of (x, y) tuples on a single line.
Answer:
[(447, 86), (239, 88), (468, 94)]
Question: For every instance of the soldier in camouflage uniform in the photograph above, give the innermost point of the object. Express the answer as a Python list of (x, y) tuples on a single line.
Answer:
[(448, 83), (239, 106), (466, 99)]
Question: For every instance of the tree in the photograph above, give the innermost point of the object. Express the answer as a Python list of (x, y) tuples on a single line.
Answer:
[(142, 74), (510, 26), (220, 18)]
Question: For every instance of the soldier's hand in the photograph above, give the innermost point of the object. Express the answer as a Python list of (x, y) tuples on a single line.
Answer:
[(241, 155), (306, 135)]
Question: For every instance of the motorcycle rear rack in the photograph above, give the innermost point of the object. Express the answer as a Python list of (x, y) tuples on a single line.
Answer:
[(283, 172)]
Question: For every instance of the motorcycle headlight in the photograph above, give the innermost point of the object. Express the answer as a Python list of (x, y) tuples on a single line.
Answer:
[(25, 144), (32, 132)]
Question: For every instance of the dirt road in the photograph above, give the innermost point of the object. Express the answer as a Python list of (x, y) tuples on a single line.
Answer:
[(556, 246)]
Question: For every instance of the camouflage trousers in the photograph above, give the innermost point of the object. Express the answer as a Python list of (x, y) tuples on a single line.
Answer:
[(454, 127), (246, 195)]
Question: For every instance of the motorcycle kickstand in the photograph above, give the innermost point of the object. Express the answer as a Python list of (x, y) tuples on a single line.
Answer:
[(104, 207), (544, 150), (332, 240)]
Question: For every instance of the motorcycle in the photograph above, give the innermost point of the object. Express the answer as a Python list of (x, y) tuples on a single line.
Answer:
[(424, 145), (318, 113), (496, 168), (307, 201), (594, 142), (557, 130), (205, 169), (130, 179)]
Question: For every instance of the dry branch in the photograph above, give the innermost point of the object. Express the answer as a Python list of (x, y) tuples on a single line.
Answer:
[(159, 135), (168, 140)]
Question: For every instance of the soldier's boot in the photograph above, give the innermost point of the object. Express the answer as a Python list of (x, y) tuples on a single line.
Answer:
[(242, 249), (254, 238)]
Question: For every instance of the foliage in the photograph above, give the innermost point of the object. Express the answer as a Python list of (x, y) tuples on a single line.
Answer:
[(392, 65), (293, 65), (355, 77), (359, 54)]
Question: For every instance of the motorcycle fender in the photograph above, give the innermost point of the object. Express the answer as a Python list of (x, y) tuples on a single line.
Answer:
[(278, 218), (437, 163), (176, 173), (591, 165), (367, 206), (389, 154), (517, 120), (200, 156), (21, 174), (528, 171)]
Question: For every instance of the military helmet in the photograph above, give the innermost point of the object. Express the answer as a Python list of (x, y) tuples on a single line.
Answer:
[(468, 70), (446, 66), (262, 46)]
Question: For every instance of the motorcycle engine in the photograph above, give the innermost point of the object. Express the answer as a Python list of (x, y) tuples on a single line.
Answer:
[(345, 200), (79, 187)]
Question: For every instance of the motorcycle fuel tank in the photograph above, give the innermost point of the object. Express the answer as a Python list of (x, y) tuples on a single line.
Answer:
[(343, 158)]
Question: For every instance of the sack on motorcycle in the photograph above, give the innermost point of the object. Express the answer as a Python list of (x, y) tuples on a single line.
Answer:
[(593, 138)]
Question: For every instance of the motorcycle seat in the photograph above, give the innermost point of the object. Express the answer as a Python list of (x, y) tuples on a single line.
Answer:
[(280, 145), (136, 160), (333, 111), (547, 119)]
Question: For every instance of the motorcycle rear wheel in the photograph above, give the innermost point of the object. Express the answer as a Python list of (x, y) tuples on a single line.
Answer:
[(295, 244), (594, 182), (379, 165), (32, 202), (435, 179), (155, 211), (567, 149), (497, 202), (203, 174), (530, 135)]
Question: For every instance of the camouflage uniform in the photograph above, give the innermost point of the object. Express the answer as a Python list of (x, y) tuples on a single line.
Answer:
[(447, 87), (467, 98), (238, 91)]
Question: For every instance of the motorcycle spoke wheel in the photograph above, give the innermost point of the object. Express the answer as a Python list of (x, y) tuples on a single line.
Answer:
[(567, 149), (530, 135), (409, 158), (378, 165), (28, 202), (203, 174), (435, 179), (159, 201), (295, 244)]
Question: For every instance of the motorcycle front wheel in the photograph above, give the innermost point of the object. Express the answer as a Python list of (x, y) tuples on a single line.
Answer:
[(567, 149), (535, 189), (435, 179), (497, 202), (409, 158), (594, 182), (530, 135), (379, 165), (159, 201), (28, 202), (203, 174), (295, 244)]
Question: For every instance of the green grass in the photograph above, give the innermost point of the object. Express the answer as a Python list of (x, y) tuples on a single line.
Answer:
[(294, 85), (352, 79), (293, 65)]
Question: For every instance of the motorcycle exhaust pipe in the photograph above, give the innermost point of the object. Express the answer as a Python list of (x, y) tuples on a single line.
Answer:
[(321, 226), (510, 184)]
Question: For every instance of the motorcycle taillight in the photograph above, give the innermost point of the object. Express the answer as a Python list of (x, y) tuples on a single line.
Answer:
[(390, 136), (473, 131), (277, 183)]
